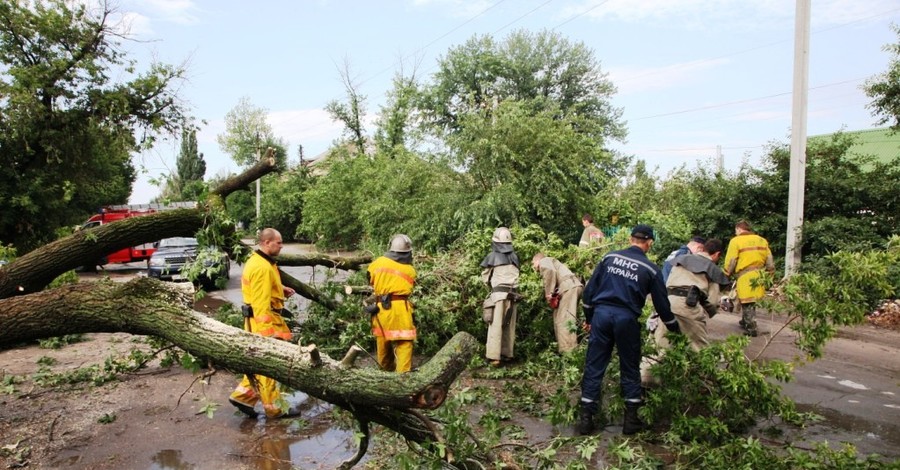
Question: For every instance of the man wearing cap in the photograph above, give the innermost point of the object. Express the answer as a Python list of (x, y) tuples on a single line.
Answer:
[(693, 246), (612, 301)]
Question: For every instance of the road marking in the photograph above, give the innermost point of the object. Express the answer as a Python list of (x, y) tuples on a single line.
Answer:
[(888, 393), (893, 406), (853, 401), (851, 384), (827, 377)]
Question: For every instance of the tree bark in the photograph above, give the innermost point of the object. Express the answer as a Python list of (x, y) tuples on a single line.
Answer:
[(148, 307), (351, 263), (33, 271)]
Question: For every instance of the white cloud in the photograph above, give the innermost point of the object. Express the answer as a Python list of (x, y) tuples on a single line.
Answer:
[(727, 14), (176, 11), (630, 79)]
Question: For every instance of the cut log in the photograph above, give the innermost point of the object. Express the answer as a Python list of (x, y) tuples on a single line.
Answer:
[(149, 307)]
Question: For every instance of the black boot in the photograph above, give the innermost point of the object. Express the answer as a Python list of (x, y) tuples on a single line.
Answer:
[(586, 421), (633, 423)]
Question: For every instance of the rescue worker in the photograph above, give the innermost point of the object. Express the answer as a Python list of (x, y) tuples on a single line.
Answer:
[(694, 286), (562, 289), (747, 254), (264, 295), (612, 301), (392, 278), (694, 245), (501, 274), (591, 235)]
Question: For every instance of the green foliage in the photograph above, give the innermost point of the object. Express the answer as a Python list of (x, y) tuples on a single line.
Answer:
[(716, 393), (66, 278), (58, 342), (884, 88), (282, 202), (527, 167), (247, 134), (230, 315), (544, 70), (839, 289), (67, 127), (107, 418)]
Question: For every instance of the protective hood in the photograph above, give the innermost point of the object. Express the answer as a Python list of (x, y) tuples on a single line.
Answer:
[(701, 264), (402, 258), (501, 254)]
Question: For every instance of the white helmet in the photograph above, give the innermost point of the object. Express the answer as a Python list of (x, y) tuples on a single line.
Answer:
[(400, 243), (502, 235)]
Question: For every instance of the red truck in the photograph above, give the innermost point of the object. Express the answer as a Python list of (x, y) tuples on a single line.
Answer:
[(109, 214)]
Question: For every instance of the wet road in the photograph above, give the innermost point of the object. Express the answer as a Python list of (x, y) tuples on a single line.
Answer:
[(855, 386)]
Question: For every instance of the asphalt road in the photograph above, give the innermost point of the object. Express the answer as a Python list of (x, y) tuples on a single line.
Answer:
[(854, 386)]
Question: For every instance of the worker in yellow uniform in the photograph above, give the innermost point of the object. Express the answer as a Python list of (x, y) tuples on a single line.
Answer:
[(264, 297), (747, 255), (392, 278)]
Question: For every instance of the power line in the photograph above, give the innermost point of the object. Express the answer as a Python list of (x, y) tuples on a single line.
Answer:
[(749, 100), (763, 46)]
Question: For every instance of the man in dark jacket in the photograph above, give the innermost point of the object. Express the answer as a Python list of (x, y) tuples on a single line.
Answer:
[(613, 299)]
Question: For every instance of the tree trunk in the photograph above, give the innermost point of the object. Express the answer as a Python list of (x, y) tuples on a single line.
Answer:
[(350, 263), (148, 307), (33, 271)]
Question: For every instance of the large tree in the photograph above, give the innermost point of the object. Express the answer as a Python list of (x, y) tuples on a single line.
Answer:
[(884, 89), (543, 69), (247, 131), (67, 128)]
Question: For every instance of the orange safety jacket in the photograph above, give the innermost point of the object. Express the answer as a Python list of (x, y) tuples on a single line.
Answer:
[(388, 277), (261, 288)]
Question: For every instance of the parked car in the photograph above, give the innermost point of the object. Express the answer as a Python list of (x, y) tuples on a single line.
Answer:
[(172, 255)]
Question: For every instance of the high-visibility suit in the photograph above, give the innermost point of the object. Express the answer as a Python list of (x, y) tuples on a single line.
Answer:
[(261, 288), (747, 254), (393, 327), (559, 280)]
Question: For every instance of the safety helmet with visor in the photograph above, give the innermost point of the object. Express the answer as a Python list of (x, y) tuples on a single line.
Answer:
[(400, 243)]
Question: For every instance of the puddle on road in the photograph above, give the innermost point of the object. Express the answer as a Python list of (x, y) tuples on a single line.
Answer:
[(285, 444), (170, 459), (837, 427)]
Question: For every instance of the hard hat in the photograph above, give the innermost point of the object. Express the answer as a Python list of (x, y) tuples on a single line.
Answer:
[(502, 235), (400, 243)]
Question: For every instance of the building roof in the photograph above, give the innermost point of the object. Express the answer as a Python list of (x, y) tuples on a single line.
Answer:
[(882, 143)]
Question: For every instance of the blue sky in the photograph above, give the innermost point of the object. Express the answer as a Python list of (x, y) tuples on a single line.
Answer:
[(691, 74)]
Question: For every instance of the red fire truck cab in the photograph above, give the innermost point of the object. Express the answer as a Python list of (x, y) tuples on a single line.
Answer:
[(110, 214)]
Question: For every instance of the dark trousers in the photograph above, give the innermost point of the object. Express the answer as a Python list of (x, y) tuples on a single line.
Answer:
[(610, 327)]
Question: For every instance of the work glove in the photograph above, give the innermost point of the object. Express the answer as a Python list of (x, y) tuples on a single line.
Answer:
[(672, 326)]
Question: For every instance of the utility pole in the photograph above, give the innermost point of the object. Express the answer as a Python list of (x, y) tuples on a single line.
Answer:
[(720, 159), (797, 185)]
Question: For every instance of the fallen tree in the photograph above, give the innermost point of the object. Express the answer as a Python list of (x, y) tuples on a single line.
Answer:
[(161, 309), (34, 270)]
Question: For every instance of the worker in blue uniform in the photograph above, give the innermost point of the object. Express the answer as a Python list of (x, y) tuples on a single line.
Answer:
[(612, 301)]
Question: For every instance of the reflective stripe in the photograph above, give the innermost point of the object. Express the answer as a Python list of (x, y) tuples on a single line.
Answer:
[(753, 248), (395, 334), (401, 275), (245, 391), (400, 334), (274, 333)]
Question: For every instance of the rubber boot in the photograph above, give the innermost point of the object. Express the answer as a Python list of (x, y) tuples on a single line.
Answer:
[(586, 421), (633, 423)]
